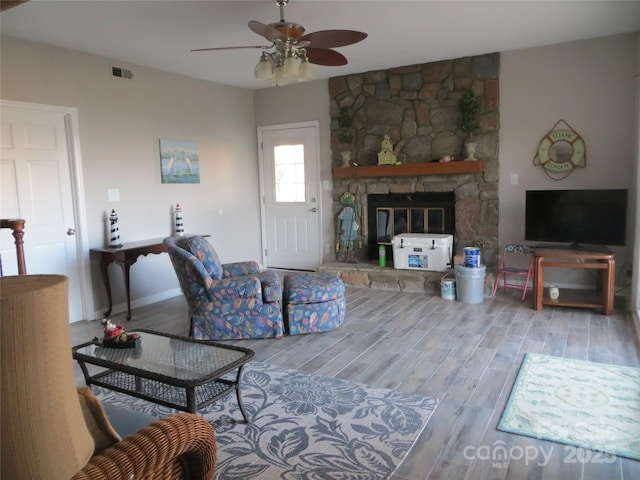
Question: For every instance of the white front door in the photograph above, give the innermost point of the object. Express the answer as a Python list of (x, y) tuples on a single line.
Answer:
[(36, 186), (291, 207)]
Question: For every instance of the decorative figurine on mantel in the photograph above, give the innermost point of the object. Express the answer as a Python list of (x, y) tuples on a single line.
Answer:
[(386, 155), (347, 231)]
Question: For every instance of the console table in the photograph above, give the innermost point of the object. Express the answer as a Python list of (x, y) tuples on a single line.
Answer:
[(125, 256), (602, 261)]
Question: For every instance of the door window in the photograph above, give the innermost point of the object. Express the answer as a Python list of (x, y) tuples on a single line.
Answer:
[(289, 173)]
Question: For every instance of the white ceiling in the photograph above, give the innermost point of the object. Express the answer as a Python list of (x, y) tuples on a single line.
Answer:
[(160, 34)]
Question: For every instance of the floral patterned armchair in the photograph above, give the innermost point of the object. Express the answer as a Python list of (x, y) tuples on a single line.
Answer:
[(226, 301)]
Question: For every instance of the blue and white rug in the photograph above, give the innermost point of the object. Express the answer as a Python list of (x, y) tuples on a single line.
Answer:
[(307, 426), (579, 403)]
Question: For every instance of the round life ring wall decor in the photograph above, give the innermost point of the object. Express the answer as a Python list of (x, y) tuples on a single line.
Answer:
[(561, 151)]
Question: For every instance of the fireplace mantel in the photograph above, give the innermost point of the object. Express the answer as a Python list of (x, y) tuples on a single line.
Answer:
[(408, 169)]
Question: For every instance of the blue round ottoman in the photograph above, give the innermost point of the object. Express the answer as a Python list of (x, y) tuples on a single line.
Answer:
[(313, 302)]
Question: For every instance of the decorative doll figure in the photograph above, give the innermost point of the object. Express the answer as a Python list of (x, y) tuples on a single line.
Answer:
[(348, 226)]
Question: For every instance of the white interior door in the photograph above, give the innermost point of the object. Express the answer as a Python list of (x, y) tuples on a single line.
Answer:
[(36, 186), (291, 207)]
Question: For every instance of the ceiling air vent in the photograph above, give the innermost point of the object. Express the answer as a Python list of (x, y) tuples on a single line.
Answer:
[(121, 73)]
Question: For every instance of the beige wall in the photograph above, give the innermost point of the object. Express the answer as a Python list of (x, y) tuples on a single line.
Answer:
[(635, 289), (590, 85), (120, 124)]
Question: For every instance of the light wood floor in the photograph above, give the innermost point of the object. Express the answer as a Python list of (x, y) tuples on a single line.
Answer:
[(467, 356)]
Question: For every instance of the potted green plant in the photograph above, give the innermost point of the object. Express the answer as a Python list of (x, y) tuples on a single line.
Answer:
[(346, 136), (345, 120), (470, 125)]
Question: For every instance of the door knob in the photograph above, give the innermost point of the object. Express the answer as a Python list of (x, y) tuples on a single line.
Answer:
[(71, 231), (314, 209)]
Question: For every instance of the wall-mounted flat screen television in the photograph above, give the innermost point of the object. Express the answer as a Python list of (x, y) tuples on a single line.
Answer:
[(593, 217)]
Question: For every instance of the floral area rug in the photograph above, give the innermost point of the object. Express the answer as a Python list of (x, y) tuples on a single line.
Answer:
[(585, 404), (306, 426)]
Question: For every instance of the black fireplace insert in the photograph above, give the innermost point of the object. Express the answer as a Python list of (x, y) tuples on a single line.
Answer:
[(395, 213)]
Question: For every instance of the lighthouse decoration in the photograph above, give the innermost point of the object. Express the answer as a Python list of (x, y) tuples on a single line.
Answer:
[(114, 231), (179, 224)]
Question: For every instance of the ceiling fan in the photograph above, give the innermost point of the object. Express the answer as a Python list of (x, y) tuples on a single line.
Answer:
[(293, 51)]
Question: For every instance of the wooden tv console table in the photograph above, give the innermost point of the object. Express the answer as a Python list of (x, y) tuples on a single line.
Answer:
[(603, 261)]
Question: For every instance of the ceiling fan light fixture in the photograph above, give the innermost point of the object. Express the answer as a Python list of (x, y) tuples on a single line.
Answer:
[(263, 70), (290, 67), (304, 71), (279, 77)]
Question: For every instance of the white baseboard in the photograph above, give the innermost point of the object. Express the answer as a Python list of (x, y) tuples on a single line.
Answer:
[(140, 302)]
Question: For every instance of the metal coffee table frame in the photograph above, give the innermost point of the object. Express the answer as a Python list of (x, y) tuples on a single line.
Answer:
[(174, 371)]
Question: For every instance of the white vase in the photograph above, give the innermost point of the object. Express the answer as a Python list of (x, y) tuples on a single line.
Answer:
[(470, 148), (346, 158)]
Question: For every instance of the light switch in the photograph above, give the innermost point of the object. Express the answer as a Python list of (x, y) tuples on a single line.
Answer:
[(514, 179), (113, 194)]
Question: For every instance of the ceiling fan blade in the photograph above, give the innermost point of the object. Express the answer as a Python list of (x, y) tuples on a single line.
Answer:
[(333, 38), (7, 4), (324, 56), (262, 47), (267, 31)]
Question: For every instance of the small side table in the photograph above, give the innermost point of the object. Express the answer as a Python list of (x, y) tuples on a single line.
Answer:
[(603, 261)]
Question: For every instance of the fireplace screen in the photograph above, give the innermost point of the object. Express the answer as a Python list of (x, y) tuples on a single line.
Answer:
[(393, 214), (394, 221)]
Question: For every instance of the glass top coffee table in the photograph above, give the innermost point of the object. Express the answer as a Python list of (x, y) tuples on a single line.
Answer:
[(178, 372)]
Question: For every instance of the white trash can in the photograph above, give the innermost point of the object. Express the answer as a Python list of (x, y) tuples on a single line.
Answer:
[(470, 283)]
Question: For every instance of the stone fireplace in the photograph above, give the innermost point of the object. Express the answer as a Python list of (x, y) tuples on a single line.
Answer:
[(418, 107), (474, 208)]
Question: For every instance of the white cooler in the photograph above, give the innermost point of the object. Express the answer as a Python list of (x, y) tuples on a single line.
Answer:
[(422, 251)]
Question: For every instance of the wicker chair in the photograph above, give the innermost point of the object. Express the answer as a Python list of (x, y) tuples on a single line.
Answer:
[(178, 447), (49, 430)]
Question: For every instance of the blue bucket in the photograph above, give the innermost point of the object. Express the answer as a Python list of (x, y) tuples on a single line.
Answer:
[(471, 257)]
